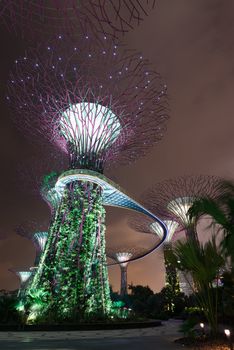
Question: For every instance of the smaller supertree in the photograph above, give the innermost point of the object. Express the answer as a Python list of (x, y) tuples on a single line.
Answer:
[(123, 259), (172, 279), (24, 277), (172, 199)]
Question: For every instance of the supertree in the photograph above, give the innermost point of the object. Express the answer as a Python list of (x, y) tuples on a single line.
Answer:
[(147, 226), (100, 106), (106, 18), (24, 277), (122, 256), (171, 199), (172, 280)]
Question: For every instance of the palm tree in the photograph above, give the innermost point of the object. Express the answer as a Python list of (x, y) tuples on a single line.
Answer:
[(221, 211), (203, 262)]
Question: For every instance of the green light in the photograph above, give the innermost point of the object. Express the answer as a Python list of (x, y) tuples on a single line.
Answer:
[(72, 275)]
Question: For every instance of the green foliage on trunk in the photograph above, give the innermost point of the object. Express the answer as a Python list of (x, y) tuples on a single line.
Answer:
[(71, 280)]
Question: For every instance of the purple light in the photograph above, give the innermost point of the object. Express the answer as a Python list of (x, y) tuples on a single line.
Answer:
[(76, 81)]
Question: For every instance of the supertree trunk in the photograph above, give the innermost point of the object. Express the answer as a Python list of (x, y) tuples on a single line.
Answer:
[(191, 233), (186, 279), (73, 271), (124, 283), (172, 279)]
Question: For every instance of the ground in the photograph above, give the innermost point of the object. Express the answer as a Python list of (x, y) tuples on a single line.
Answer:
[(160, 338)]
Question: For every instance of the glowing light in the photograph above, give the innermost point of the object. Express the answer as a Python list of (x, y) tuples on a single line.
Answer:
[(24, 275), (123, 257), (202, 325), (227, 332), (89, 124), (180, 206), (172, 226), (41, 238)]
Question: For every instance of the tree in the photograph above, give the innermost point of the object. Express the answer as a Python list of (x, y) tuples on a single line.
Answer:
[(204, 263), (8, 313), (139, 299), (221, 211)]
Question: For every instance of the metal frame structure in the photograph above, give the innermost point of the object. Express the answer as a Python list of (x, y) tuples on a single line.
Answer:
[(111, 18)]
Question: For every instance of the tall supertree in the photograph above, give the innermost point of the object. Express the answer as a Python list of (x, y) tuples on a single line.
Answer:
[(110, 18), (100, 105), (147, 226)]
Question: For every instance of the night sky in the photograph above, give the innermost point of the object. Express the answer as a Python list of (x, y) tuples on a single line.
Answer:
[(190, 43)]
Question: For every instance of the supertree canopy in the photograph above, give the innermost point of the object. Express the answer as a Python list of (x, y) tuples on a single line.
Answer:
[(97, 103), (104, 17), (172, 199), (41, 238), (23, 276), (172, 228), (100, 104)]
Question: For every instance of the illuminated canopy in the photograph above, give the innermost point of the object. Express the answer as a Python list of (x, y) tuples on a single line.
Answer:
[(24, 275), (172, 226), (123, 257), (180, 207), (41, 238), (91, 127)]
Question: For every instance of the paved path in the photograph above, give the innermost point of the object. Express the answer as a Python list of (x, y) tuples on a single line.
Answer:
[(158, 338)]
